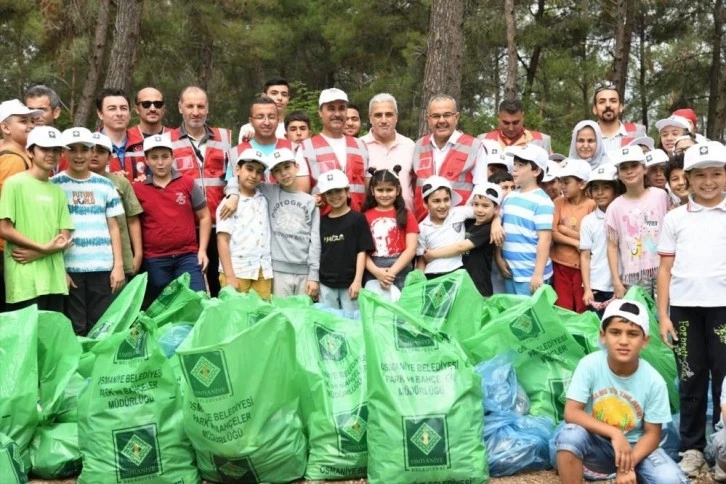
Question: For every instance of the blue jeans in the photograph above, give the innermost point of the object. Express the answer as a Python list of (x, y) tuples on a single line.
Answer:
[(597, 454), (519, 288), (337, 298), (162, 270)]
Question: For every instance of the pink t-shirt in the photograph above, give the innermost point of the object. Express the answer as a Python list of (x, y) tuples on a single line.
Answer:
[(636, 225)]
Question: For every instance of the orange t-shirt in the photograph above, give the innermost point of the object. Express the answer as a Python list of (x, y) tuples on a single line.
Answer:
[(10, 164), (570, 216)]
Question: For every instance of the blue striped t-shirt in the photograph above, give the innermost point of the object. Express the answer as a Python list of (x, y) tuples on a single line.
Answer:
[(91, 202), (523, 214)]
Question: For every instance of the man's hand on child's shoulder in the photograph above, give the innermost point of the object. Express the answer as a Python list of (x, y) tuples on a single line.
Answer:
[(229, 206)]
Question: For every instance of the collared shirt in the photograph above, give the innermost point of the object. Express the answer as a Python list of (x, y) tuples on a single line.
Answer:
[(119, 150), (199, 145), (611, 144), (480, 166), (400, 152), (593, 237), (435, 236)]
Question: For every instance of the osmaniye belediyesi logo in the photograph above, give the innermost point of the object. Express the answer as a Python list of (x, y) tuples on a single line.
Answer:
[(438, 299), (352, 429), (525, 327), (410, 337), (137, 452), (332, 345), (426, 441), (238, 470), (558, 395), (134, 344), (207, 374)]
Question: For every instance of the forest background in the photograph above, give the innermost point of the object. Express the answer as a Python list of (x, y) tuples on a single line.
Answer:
[(663, 55)]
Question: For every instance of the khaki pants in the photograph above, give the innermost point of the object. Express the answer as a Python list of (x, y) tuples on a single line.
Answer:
[(262, 286)]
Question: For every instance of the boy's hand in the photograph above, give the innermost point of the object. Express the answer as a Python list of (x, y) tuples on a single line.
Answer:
[(138, 260), (232, 282), (247, 133), (666, 329), (117, 279), (59, 243), (312, 288), (588, 297), (70, 282), (496, 234), (229, 206), (203, 260), (626, 477), (503, 267), (623, 453), (535, 283), (619, 289), (353, 290), (23, 255)]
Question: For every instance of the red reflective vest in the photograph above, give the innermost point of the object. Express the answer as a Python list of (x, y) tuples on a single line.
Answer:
[(634, 131), (245, 145), (528, 136), (208, 172), (457, 167), (321, 158)]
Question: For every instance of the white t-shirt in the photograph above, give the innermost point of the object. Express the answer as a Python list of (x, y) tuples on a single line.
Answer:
[(247, 128), (433, 236), (338, 145), (593, 237), (695, 235)]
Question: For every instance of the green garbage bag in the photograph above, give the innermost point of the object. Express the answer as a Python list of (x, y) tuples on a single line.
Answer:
[(451, 303), (248, 307), (12, 467), (335, 408), (547, 354), (54, 452), (58, 355), (67, 411), (241, 403), (176, 303), (19, 375), (425, 408), (656, 352), (129, 416), (585, 328), (297, 301)]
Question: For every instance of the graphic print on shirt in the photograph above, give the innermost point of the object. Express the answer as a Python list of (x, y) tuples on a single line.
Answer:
[(181, 198), (83, 198), (383, 230), (642, 230), (617, 408)]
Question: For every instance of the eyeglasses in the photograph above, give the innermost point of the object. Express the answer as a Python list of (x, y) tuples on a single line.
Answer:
[(445, 116), (147, 104)]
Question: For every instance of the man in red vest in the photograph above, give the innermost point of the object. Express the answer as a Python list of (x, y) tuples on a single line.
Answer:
[(149, 104), (607, 108), (510, 128), (446, 152), (201, 152), (332, 150)]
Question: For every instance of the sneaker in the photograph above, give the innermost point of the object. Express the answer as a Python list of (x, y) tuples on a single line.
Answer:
[(692, 462), (719, 474)]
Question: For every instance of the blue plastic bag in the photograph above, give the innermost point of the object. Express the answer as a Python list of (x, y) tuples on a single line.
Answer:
[(171, 336), (516, 443), (499, 383)]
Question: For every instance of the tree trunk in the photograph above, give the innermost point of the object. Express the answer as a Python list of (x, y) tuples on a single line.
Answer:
[(715, 119), (643, 70), (536, 52), (510, 85), (90, 85), (125, 40), (442, 73), (623, 40)]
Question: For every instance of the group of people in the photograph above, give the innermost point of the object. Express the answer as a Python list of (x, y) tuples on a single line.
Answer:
[(285, 211)]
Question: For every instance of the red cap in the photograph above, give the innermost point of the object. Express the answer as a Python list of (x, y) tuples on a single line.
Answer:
[(689, 114)]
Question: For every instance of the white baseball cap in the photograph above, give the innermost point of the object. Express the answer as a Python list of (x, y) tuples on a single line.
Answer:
[(433, 183), (495, 154), (572, 167), (332, 94), (674, 120), (629, 153), (331, 180), (557, 157), (643, 141), (492, 191), (656, 157), (45, 137), (280, 156), (100, 139), (492, 146), (530, 152), (551, 172), (607, 172), (157, 141), (704, 155), (633, 311), (13, 107), (78, 135), (251, 154)]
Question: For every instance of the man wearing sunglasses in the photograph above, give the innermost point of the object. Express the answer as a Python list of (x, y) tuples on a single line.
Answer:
[(149, 105)]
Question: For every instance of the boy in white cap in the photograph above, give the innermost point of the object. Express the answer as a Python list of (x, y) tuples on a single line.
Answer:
[(34, 269), (244, 238), (691, 289), (527, 215), (655, 162), (476, 249), (16, 121), (677, 181), (551, 181), (173, 204), (570, 209), (129, 225), (345, 239), (617, 404), (94, 262)]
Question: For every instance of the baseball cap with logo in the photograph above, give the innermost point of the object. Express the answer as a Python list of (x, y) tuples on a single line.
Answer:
[(646, 141), (251, 154), (551, 172), (632, 311), (280, 156), (433, 183), (13, 107), (77, 135), (157, 141), (100, 139), (332, 94), (605, 172), (332, 180), (46, 137), (491, 191), (556, 157), (629, 153), (704, 155), (656, 157), (572, 167), (673, 120), (530, 152)]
